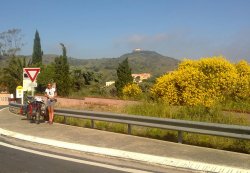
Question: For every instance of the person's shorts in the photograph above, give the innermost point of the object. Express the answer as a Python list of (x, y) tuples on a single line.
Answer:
[(50, 102)]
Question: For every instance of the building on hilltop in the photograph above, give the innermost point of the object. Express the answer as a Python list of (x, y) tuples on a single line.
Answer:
[(137, 50)]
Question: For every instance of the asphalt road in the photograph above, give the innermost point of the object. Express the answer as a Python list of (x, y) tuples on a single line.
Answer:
[(17, 161), (17, 156)]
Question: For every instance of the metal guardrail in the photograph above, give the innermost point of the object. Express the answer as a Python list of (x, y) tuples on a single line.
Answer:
[(15, 107), (214, 129)]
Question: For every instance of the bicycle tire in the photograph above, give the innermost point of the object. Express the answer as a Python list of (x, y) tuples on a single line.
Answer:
[(38, 114)]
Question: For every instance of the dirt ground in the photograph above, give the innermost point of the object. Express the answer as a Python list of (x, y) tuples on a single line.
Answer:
[(97, 104), (238, 114)]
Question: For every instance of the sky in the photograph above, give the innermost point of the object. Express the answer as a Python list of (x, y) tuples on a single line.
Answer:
[(111, 28)]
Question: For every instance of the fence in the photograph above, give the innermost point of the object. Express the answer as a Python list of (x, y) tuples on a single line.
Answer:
[(224, 130)]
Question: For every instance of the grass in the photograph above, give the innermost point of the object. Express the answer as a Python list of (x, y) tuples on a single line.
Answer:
[(162, 110), (194, 113), (73, 121), (239, 106)]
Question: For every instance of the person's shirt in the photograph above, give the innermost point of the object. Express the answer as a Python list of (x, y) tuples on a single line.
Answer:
[(50, 92)]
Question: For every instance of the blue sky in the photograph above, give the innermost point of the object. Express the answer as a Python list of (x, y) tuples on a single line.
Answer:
[(110, 28)]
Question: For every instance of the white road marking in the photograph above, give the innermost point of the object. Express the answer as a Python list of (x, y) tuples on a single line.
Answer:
[(74, 160), (3, 109)]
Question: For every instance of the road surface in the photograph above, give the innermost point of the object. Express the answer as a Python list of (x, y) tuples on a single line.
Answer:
[(25, 157)]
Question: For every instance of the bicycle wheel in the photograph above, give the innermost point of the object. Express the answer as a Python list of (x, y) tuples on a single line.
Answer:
[(38, 114), (28, 112)]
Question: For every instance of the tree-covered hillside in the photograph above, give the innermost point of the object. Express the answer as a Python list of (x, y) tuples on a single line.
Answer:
[(150, 62), (140, 62)]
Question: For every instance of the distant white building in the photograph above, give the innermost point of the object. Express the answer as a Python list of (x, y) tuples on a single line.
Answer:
[(110, 83)]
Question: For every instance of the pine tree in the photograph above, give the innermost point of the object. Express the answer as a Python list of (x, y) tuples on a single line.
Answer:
[(37, 50), (64, 51), (62, 75), (124, 76)]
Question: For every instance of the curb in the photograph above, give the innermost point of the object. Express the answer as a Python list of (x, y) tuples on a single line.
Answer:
[(151, 159)]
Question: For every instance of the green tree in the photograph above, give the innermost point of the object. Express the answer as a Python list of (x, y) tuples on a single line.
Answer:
[(64, 52), (88, 77), (77, 79), (13, 73), (137, 79), (3, 86), (47, 75), (62, 75), (124, 76), (37, 50)]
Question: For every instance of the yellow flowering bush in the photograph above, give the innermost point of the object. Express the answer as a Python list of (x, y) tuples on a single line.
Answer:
[(131, 90), (242, 89), (203, 82)]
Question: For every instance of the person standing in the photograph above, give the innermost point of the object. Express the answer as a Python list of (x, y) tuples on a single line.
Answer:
[(50, 93)]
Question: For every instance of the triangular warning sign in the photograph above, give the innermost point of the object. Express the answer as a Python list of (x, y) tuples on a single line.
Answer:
[(32, 73)]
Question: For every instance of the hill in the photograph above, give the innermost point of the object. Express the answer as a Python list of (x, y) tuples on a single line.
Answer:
[(150, 62), (139, 61)]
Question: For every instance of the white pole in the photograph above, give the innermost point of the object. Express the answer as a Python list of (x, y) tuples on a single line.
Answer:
[(32, 91), (22, 98)]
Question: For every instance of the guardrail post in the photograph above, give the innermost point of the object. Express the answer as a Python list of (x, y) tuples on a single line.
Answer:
[(92, 124), (129, 129), (180, 137), (64, 119)]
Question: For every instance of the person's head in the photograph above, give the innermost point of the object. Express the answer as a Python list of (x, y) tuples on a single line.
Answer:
[(49, 85)]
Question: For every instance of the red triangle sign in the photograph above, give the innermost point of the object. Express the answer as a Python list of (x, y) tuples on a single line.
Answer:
[(32, 73)]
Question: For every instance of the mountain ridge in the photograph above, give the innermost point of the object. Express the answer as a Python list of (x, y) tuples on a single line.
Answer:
[(139, 62)]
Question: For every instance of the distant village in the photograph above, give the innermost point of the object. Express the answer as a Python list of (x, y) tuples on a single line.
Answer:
[(137, 78)]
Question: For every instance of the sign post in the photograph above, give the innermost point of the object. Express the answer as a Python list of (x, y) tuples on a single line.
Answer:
[(19, 93), (29, 78)]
